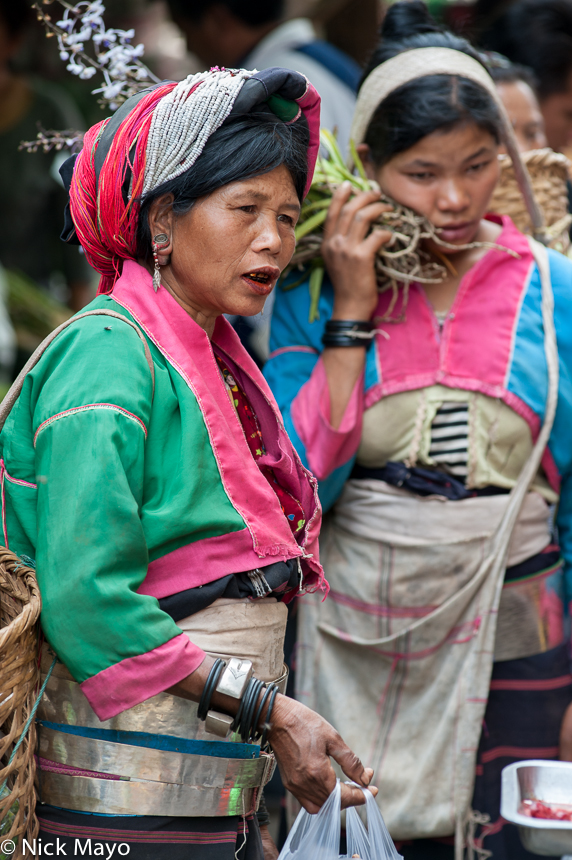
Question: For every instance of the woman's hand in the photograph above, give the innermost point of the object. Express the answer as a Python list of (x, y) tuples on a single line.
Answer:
[(303, 743), (270, 850), (349, 252), (349, 255), (566, 735)]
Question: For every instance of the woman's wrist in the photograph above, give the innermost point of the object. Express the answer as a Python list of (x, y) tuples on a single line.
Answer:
[(269, 713), (281, 717), (192, 688), (353, 310), (261, 705), (348, 333)]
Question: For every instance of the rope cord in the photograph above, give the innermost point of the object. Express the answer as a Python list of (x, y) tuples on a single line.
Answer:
[(29, 720)]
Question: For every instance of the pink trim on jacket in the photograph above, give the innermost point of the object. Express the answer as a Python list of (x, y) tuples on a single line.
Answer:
[(201, 562), (280, 454), (477, 337), (476, 344), (3, 474), (310, 105), (473, 352), (188, 349), (284, 349), (19, 481), (136, 679), (88, 408), (327, 448)]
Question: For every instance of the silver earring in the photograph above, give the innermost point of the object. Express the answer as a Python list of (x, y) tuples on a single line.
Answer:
[(160, 241)]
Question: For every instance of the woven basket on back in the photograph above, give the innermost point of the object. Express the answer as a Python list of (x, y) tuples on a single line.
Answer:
[(19, 680), (548, 172)]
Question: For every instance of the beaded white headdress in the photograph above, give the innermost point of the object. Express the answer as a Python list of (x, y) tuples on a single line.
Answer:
[(184, 120)]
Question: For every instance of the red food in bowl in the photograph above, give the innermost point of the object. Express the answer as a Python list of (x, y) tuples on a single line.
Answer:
[(538, 809)]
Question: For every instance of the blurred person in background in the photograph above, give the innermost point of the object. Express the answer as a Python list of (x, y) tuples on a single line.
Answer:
[(517, 89), (252, 34), (537, 34), (29, 233)]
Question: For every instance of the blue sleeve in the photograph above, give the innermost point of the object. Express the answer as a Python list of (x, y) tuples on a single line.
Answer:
[(295, 347), (529, 381), (561, 438)]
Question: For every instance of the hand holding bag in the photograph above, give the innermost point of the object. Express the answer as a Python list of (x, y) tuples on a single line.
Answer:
[(317, 837)]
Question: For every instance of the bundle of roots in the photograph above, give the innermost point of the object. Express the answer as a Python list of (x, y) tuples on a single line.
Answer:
[(399, 263)]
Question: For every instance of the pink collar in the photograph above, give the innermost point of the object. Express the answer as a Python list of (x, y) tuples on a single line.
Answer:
[(188, 349)]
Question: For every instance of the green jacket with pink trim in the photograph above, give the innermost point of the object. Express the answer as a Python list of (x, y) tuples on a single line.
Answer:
[(125, 494)]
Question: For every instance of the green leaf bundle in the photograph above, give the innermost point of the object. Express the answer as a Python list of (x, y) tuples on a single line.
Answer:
[(399, 263)]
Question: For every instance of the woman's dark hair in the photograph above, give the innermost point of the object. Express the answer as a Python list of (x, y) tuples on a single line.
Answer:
[(512, 73), (427, 104), (240, 149)]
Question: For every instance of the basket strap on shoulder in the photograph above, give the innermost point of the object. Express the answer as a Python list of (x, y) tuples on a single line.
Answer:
[(15, 389)]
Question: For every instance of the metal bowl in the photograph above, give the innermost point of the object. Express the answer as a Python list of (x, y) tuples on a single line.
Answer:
[(550, 782)]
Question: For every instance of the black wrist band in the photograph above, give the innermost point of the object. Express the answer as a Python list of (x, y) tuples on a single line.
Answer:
[(238, 717), (242, 715), (243, 721), (346, 340), (250, 709), (267, 722), (348, 333), (209, 688), (249, 728), (264, 699)]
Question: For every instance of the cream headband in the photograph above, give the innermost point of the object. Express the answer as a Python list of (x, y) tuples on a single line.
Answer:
[(420, 62)]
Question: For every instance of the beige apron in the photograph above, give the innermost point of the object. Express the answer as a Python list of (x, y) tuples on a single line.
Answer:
[(399, 656), (250, 629)]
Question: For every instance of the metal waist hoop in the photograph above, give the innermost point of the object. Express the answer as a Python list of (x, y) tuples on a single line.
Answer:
[(153, 759)]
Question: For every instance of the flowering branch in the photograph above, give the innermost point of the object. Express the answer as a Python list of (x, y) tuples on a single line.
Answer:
[(119, 62), (58, 140)]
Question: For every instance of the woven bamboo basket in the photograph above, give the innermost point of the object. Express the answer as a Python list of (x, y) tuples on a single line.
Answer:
[(549, 172), (19, 681)]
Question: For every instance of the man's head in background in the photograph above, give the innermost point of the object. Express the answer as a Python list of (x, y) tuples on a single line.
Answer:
[(517, 88), (223, 32), (537, 34)]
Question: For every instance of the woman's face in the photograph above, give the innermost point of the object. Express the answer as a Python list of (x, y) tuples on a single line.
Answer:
[(226, 254), (524, 113), (448, 177)]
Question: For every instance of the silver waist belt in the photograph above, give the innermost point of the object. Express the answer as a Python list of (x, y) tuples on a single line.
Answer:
[(123, 779)]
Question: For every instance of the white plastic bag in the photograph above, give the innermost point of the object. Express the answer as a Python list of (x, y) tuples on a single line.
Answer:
[(317, 837)]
